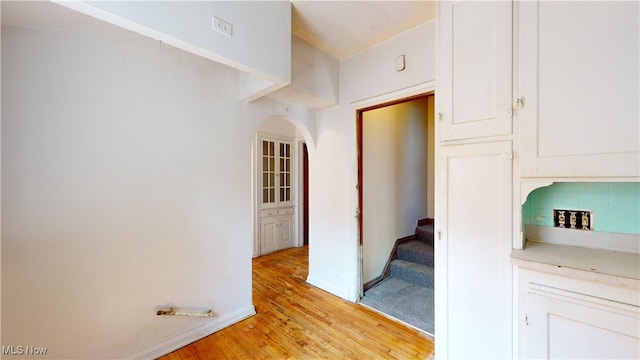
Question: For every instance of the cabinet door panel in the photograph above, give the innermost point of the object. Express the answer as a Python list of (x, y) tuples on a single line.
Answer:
[(475, 71), (567, 328), (286, 232), (579, 70), (472, 258), (268, 235)]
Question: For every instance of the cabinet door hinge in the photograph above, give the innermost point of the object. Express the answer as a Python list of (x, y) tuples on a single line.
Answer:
[(440, 116), (439, 235)]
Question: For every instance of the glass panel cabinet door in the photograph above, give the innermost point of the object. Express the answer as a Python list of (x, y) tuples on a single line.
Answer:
[(268, 172), (285, 173), (276, 161)]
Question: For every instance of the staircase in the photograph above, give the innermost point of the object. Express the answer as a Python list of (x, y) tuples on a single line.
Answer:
[(407, 292)]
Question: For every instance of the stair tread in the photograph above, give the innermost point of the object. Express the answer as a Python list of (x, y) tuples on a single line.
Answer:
[(424, 233), (413, 266), (412, 272), (416, 251), (417, 246)]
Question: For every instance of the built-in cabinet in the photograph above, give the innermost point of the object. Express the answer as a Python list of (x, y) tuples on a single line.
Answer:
[(474, 180), (578, 113), (473, 273), (474, 92), (578, 88), (558, 82), (574, 314), (275, 193), (276, 229)]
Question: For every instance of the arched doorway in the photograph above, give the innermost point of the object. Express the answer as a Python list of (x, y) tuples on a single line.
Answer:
[(280, 185)]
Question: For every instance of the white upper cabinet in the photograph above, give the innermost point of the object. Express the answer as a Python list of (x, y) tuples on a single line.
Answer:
[(578, 79), (475, 69)]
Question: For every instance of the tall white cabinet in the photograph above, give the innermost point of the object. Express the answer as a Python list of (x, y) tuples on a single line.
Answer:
[(275, 193), (474, 157), (473, 272), (530, 93)]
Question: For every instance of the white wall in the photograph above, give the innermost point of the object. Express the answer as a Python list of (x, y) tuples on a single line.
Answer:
[(260, 43), (395, 181), (315, 77), (333, 228), (126, 175), (314, 71), (278, 126)]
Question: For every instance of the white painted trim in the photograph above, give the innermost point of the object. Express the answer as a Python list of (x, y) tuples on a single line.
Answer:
[(190, 336), (414, 90), (529, 185), (255, 196)]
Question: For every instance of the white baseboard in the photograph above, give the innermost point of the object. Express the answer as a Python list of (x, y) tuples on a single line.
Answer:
[(190, 336), (331, 289)]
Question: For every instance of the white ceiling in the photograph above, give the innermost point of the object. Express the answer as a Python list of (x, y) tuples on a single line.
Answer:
[(343, 28), (340, 28)]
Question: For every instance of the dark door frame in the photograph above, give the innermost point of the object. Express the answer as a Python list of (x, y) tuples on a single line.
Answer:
[(359, 137), (305, 194)]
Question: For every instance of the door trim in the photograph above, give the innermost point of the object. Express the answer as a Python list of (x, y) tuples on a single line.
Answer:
[(358, 107)]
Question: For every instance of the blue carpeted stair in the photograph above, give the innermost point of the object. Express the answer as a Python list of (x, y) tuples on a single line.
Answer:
[(408, 293)]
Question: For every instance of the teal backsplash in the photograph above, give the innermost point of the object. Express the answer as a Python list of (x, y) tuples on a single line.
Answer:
[(615, 206)]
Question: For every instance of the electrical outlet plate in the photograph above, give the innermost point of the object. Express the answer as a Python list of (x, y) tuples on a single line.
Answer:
[(222, 26), (573, 219)]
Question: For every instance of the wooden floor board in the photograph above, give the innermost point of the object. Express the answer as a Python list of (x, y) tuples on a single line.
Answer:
[(295, 320)]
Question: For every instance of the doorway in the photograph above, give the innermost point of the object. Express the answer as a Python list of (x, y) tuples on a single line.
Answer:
[(280, 187), (395, 194)]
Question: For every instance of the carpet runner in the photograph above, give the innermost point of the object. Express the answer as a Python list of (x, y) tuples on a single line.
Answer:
[(407, 294)]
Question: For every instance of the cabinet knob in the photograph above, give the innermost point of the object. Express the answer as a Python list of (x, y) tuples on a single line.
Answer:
[(520, 101)]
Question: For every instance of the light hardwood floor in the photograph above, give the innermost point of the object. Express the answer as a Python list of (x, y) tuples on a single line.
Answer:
[(295, 320)]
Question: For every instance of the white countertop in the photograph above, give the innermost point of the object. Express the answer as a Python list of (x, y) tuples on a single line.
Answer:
[(596, 261)]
